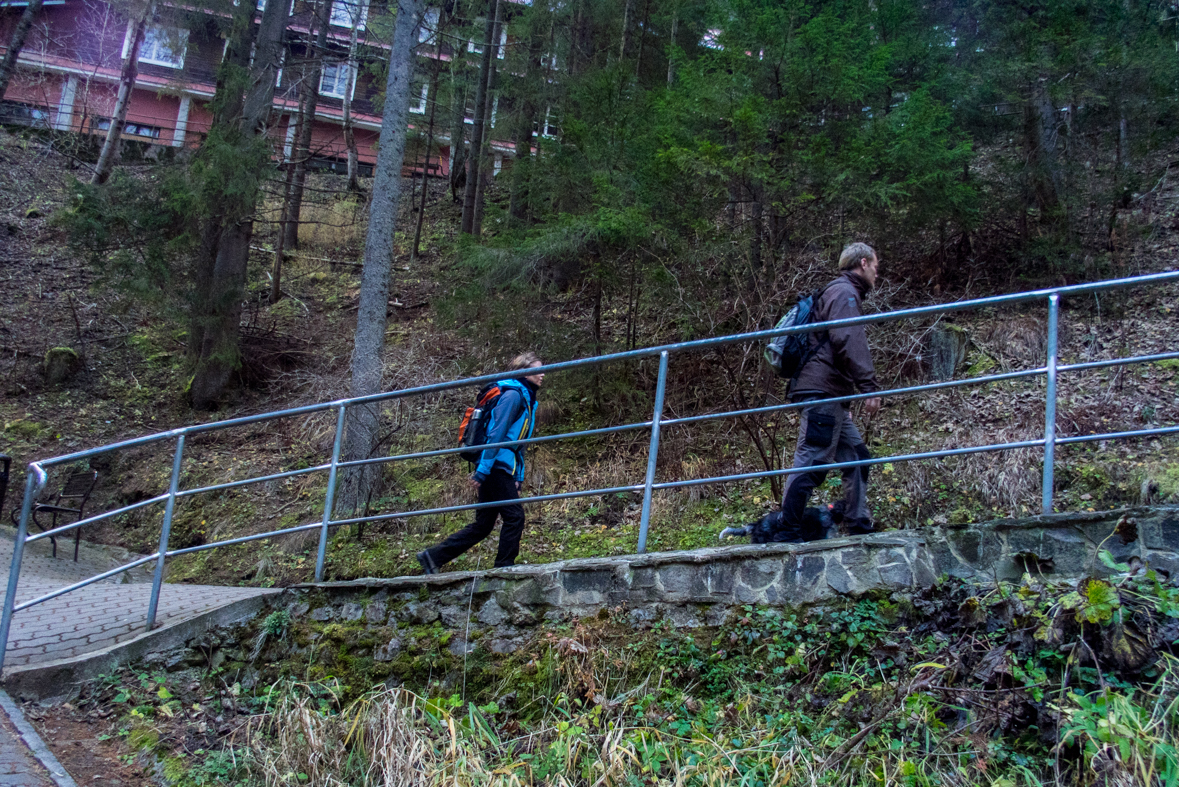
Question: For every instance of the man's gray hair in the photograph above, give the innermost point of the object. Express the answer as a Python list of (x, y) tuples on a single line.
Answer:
[(850, 257)]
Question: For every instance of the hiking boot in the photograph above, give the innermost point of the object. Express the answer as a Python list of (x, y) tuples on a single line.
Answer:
[(860, 527), (427, 562)]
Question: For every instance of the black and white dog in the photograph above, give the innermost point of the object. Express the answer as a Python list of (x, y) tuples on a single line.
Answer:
[(817, 523)]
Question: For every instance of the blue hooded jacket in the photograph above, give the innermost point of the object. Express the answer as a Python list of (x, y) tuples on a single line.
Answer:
[(512, 418)]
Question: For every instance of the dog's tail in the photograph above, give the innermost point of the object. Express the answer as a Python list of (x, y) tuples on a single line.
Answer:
[(734, 532)]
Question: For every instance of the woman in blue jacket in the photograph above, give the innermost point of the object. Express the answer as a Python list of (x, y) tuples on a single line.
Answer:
[(499, 474)]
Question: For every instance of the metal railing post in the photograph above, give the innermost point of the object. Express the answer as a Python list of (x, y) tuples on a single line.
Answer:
[(1050, 405), (33, 485), (653, 451), (321, 555), (157, 579)]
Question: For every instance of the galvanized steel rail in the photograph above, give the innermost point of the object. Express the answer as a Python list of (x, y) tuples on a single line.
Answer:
[(37, 475)]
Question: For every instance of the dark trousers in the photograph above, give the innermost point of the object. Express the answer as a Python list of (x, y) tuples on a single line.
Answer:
[(827, 435), (498, 485)]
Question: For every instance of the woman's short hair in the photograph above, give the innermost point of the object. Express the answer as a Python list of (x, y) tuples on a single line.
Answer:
[(523, 361), (850, 257)]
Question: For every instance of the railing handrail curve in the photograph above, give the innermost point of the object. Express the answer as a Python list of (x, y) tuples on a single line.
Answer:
[(37, 470)]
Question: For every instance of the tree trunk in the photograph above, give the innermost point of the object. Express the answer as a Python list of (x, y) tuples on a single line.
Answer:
[(349, 133), (475, 159), (522, 166), (114, 134), (755, 239), (280, 250), (458, 141), (311, 79), (17, 43), (485, 156), (579, 38), (1040, 145), (241, 104), (525, 132), (363, 421), (675, 24), (417, 232), (646, 23), (627, 13)]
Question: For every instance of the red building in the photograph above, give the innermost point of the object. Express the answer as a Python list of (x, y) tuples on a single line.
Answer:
[(68, 76)]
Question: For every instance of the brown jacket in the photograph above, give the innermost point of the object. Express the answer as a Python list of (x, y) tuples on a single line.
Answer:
[(843, 363)]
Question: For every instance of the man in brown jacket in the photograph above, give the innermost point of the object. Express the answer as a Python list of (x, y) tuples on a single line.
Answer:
[(840, 365)]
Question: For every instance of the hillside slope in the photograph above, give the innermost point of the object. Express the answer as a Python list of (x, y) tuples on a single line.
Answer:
[(132, 375)]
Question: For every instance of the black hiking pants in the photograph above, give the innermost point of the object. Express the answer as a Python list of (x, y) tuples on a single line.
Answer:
[(499, 485), (826, 435)]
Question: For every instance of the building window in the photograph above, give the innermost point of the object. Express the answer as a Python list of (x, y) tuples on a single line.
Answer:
[(23, 114), (134, 129), (547, 128), (420, 107), (162, 46), (429, 27), (334, 81), (476, 46), (346, 13)]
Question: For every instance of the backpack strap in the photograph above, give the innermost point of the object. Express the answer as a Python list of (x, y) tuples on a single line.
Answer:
[(527, 402), (823, 339)]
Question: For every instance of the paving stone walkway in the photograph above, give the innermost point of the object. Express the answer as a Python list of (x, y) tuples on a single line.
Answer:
[(18, 766), (99, 615)]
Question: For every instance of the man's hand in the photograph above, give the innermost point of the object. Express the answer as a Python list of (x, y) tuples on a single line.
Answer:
[(475, 482), (872, 406)]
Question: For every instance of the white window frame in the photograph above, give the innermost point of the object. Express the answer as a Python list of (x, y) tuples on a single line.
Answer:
[(342, 73), (341, 13), (131, 128), (428, 29), (282, 61), (152, 36), (423, 100), (546, 131), (477, 48)]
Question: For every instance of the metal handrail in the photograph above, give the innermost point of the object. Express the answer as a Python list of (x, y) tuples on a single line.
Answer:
[(37, 475)]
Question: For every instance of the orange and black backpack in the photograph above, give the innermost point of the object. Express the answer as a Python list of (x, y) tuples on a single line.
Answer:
[(473, 429)]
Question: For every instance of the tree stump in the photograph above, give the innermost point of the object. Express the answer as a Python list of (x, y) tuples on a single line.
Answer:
[(945, 351), (61, 363)]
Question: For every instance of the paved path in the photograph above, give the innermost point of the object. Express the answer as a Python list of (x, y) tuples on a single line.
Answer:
[(82, 622), (99, 615), (18, 766)]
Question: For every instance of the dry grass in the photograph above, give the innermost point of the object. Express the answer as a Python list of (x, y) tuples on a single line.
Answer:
[(332, 227), (376, 741), (395, 738)]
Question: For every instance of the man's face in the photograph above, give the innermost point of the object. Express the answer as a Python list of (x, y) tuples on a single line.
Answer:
[(536, 379), (868, 269)]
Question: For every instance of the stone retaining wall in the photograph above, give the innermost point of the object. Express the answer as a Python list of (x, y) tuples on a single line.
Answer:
[(376, 622), (700, 587), (1061, 545), (690, 589)]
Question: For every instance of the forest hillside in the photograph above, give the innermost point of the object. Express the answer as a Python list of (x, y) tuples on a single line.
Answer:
[(684, 169), (626, 174)]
